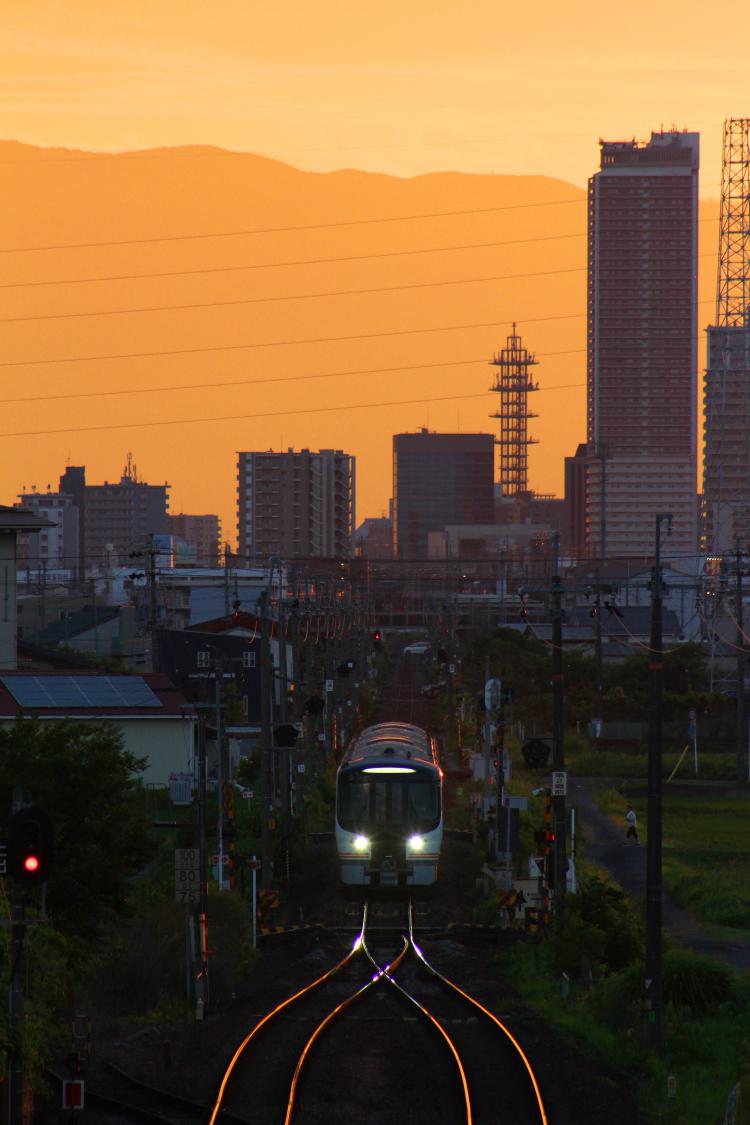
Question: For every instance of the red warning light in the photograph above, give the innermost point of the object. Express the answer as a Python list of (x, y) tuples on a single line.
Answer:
[(31, 864)]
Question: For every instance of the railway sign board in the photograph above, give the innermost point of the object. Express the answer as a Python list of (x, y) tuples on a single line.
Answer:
[(329, 685), (186, 875), (559, 783), (3, 857)]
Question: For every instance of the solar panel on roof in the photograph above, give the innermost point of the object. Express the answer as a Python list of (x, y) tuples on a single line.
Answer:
[(80, 691)]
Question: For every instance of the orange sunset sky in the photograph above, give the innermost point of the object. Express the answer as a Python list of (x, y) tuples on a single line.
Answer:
[(487, 112)]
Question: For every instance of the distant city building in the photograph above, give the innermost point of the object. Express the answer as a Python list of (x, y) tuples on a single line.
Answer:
[(439, 479), (574, 534), (642, 348), (118, 518), (204, 532), (13, 522), (55, 548), (373, 539), (295, 504)]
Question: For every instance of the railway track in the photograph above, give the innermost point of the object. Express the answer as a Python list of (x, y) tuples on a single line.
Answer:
[(381, 1036)]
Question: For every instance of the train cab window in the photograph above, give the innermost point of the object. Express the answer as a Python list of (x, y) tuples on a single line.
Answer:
[(412, 803)]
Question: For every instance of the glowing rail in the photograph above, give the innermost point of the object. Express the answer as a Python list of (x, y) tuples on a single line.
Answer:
[(498, 1023)]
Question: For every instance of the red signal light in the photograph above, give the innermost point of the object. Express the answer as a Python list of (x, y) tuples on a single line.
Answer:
[(31, 864)]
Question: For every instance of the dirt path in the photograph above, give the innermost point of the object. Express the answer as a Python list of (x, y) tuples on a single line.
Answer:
[(605, 844)]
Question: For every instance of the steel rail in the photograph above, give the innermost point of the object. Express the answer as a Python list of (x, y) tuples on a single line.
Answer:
[(378, 975), (279, 1008), (490, 1016), (427, 1014)]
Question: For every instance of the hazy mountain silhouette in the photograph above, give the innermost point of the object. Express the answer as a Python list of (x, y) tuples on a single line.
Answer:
[(59, 198)]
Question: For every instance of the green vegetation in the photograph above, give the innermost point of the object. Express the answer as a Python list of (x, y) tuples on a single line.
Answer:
[(706, 860), (706, 1025)]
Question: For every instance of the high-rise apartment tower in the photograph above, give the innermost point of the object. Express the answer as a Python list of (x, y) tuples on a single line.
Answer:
[(641, 345), (295, 505), (726, 386)]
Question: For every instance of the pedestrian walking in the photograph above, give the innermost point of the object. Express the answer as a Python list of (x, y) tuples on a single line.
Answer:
[(630, 818)]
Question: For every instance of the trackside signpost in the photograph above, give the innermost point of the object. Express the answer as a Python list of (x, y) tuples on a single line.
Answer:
[(187, 875)]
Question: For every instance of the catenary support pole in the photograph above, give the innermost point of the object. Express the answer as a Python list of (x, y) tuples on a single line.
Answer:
[(653, 968)]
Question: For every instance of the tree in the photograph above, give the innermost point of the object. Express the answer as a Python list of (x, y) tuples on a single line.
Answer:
[(81, 776)]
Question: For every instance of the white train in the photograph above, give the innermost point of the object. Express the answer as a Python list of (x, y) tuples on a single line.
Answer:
[(389, 808)]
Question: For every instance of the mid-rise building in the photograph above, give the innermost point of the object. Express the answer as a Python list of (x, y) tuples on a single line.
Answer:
[(54, 550), (117, 518), (203, 532), (295, 504), (439, 479), (642, 348)]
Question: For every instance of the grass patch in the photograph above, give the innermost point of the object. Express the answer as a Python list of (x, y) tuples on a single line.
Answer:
[(705, 1052), (589, 761), (706, 856)]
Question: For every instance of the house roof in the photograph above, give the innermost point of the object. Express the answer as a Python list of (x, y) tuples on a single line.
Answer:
[(87, 695), (21, 519), (629, 620), (90, 616)]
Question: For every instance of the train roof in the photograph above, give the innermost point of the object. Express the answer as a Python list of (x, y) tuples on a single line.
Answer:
[(399, 742)]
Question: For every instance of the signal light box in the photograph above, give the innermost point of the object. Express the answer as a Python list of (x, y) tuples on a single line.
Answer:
[(73, 1093)]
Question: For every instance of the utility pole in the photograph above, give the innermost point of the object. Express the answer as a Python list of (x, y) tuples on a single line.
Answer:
[(202, 984), (15, 993), (653, 974), (558, 734), (284, 755), (221, 772), (741, 658), (153, 607), (266, 742), (598, 651)]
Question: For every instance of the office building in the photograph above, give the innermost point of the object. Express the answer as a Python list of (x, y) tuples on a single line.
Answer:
[(201, 532), (116, 518), (295, 504), (439, 479), (642, 357)]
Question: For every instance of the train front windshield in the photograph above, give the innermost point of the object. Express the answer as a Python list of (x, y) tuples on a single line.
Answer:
[(408, 800)]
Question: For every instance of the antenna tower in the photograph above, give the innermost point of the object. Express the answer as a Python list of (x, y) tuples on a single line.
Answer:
[(725, 514), (733, 283), (513, 384)]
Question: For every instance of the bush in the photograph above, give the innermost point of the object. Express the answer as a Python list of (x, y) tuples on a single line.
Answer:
[(696, 983), (601, 924)]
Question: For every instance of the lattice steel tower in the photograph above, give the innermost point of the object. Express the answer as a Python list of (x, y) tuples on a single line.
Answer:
[(513, 384), (726, 387)]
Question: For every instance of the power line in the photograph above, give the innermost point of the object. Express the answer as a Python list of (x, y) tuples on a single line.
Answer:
[(242, 417), (273, 379), (279, 265), (290, 297), (287, 343), (291, 229)]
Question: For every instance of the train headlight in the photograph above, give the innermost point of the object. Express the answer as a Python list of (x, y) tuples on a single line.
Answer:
[(361, 843), (416, 843)]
